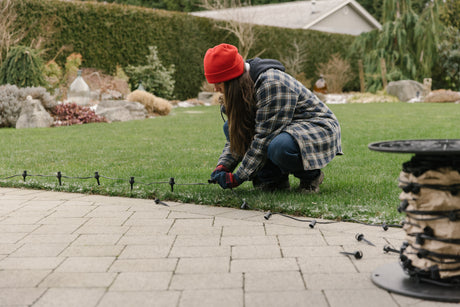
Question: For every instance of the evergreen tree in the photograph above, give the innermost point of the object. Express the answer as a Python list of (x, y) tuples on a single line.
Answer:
[(155, 77), (447, 72), (377, 9), (22, 67), (372, 7), (428, 31), (407, 43)]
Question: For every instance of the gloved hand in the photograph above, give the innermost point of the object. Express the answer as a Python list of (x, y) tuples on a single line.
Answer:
[(219, 169), (227, 180)]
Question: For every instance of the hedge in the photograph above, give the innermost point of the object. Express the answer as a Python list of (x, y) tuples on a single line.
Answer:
[(107, 35)]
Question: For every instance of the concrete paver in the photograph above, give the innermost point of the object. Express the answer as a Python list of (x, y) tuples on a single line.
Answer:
[(264, 265), (212, 298), (140, 298), (70, 249), (141, 281), (70, 297), (207, 281), (203, 265), (286, 299)]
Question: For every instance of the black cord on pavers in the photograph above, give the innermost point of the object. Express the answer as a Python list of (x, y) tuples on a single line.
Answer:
[(313, 222)]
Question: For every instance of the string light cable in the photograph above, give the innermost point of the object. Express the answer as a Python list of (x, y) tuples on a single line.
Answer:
[(172, 183)]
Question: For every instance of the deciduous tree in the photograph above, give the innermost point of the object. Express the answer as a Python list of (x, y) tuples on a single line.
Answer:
[(9, 34), (245, 32)]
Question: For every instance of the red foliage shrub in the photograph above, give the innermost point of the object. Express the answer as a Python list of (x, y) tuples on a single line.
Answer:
[(73, 114)]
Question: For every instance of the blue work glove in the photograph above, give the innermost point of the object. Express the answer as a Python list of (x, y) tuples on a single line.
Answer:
[(219, 169), (227, 180)]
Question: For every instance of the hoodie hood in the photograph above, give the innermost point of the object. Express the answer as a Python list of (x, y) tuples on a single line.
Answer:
[(259, 65)]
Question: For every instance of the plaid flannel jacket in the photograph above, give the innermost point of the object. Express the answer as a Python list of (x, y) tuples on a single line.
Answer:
[(285, 105)]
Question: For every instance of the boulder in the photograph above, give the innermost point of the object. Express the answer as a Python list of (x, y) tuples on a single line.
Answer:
[(406, 90), (33, 115), (121, 110), (206, 97), (111, 95)]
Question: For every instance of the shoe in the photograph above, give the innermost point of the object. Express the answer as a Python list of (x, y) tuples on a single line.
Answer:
[(311, 186), (271, 186)]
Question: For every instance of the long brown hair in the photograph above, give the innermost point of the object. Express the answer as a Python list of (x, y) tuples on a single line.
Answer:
[(240, 106)]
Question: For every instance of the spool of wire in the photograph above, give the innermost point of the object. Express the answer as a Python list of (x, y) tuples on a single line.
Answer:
[(430, 199)]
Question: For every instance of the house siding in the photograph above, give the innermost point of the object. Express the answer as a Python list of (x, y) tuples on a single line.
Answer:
[(344, 21), (351, 18)]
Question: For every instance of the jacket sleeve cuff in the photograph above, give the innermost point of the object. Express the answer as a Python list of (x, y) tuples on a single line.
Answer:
[(241, 176)]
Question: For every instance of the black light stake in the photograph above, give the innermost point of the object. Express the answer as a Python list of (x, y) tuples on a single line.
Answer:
[(387, 248), (267, 215), (59, 176), (131, 182), (159, 202), (360, 237), (96, 175), (357, 254)]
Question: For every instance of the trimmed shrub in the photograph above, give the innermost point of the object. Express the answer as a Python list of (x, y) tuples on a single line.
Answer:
[(107, 35), (153, 105)]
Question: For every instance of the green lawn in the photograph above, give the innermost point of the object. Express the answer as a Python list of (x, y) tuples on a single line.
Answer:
[(185, 145)]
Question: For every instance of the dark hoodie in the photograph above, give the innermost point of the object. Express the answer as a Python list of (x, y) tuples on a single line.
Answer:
[(259, 65)]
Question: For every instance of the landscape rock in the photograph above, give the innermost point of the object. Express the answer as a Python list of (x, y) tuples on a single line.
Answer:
[(33, 115), (111, 95), (40, 93), (406, 90), (206, 97), (121, 110), (189, 103)]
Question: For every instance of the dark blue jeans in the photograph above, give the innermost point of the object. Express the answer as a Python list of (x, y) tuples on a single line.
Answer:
[(284, 158)]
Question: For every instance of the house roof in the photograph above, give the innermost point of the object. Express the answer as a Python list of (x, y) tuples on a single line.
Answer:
[(335, 16)]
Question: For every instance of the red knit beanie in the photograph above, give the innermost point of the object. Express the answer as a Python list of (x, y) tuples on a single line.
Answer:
[(223, 63)]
